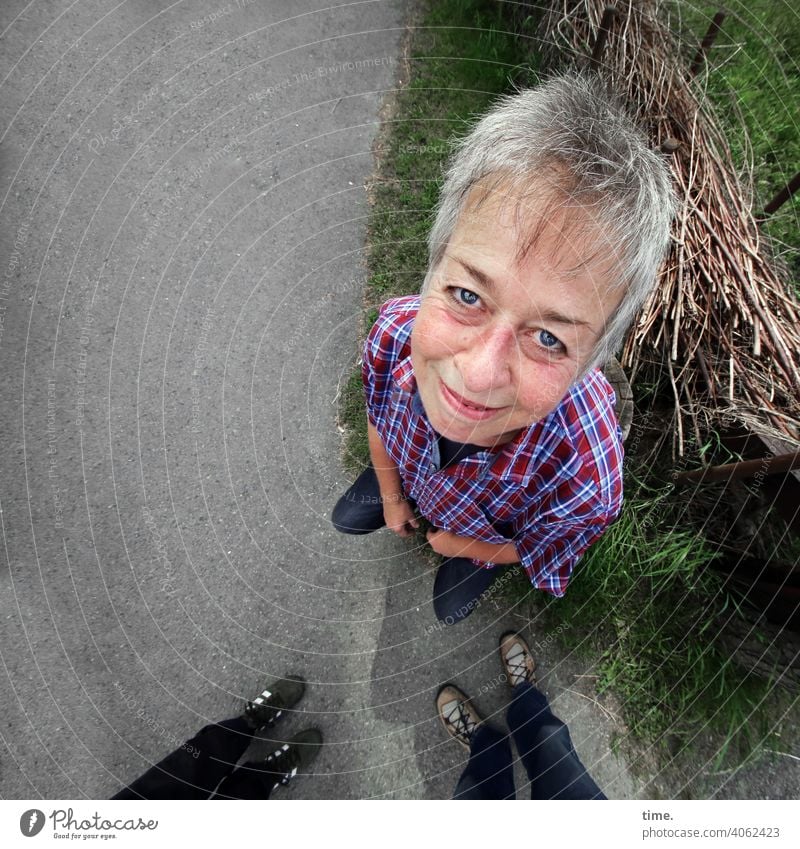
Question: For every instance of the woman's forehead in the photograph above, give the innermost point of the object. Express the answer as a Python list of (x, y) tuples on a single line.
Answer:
[(553, 234)]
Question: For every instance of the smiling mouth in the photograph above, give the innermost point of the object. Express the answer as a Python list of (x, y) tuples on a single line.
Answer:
[(464, 407)]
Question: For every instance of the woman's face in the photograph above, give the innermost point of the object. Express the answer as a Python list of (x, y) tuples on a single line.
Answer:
[(498, 342)]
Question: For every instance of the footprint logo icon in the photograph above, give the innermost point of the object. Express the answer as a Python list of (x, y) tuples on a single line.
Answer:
[(31, 822)]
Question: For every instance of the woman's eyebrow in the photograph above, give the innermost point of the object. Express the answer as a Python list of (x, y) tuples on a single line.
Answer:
[(554, 317), (479, 275)]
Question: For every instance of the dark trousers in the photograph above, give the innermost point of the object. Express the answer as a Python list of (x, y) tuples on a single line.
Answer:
[(207, 760), (545, 748), (459, 583)]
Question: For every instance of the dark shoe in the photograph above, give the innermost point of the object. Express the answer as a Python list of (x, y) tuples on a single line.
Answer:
[(459, 717), (296, 754), (458, 586), (518, 662), (279, 696)]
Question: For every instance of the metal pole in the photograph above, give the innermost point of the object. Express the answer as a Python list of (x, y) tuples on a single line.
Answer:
[(609, 13), (783, 195), (746, 469), (710, 36)]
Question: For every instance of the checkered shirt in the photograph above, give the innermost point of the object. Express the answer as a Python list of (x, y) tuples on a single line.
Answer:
[(553, 489)]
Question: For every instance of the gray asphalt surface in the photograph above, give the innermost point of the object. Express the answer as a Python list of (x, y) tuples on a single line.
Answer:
[(183, 215)]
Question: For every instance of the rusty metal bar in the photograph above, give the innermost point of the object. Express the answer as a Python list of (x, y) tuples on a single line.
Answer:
[(774, 465), (609, 13), (708, 40), (782, 196)]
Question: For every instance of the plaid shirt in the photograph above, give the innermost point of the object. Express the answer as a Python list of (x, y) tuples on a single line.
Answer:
[(552, 490)]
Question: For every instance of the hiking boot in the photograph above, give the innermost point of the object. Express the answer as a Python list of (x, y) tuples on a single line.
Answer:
[(296, 754), (517, 660), (279, 696), (459, 717)]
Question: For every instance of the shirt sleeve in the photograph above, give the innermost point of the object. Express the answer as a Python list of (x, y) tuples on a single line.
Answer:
[(551, 546), (375, 365)]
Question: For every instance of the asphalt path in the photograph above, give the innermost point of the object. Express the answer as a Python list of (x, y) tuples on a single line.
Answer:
[(183, 220)]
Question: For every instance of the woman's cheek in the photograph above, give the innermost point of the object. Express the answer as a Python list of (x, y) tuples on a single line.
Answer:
[(437, 332), (546, 385)]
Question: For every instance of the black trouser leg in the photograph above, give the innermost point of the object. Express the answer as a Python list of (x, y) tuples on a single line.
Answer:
[(360, 509), (194, 770), (489, 774), (458, 587), (248, 782)]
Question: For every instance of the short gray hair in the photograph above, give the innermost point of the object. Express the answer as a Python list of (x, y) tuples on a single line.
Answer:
[(573, 135)]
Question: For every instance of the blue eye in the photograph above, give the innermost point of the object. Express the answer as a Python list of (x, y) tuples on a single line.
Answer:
[(547, 339), (464, 296)]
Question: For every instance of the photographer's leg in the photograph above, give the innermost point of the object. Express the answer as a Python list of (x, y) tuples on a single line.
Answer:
[(546, 749), (542, 739), (195, 769), (489, 773)]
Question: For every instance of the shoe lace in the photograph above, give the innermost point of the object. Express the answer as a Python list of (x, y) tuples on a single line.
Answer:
[(462, 722), (517, 665), (264, 711), (284, 760)]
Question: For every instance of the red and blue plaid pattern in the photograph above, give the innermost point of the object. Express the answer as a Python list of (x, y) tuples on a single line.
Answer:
[(556, 486)]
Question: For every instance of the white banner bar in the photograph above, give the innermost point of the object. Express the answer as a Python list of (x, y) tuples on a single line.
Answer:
[(616, 824)]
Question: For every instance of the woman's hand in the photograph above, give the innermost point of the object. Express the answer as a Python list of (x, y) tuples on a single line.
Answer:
[(400, 517)]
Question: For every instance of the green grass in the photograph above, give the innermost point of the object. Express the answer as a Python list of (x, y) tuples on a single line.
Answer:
[(754, 84)]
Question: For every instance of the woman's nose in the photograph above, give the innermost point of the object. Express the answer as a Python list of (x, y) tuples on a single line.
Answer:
[(484, 363)]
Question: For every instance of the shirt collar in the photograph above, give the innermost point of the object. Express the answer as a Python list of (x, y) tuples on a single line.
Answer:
[(544, 440)]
